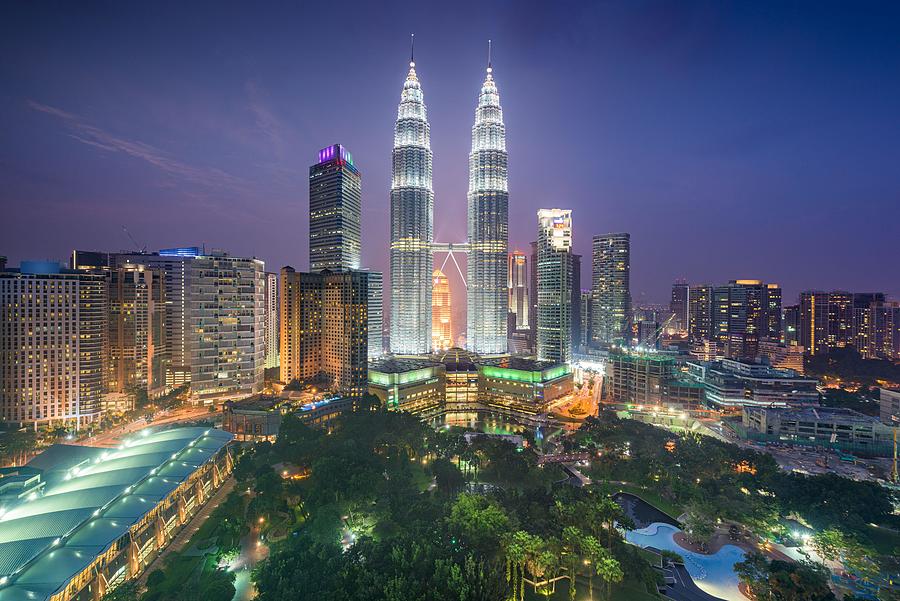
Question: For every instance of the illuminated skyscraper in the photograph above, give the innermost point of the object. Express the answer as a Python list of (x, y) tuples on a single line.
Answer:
[(227, 325), (271, 320), (136, 356), (51, 344), (441, 333), (375, 313), (611, 286), (412, 227), (335, 192), (488, 225), (324, 329), (519, 303), (175, 263), (554, 285)]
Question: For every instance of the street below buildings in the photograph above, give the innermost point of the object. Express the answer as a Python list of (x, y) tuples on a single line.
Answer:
[(581, 403), (113, 437)]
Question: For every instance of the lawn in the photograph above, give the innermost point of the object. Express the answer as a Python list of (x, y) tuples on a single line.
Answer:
[(647, 495), (885, 540)]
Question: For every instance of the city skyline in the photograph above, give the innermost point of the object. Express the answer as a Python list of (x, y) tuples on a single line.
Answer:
[(696, 142)]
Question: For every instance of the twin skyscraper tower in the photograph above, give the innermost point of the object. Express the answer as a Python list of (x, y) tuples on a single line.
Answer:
[(412, 224)]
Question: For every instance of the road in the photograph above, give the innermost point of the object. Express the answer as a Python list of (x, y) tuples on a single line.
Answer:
[(253, 550), (581, 403), (684, 588), (113, 437)]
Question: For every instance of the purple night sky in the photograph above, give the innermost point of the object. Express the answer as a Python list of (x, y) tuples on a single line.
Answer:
[(732, 140)]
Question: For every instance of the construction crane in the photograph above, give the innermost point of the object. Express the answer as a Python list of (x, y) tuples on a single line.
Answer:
[(652, 339), (133, 241)]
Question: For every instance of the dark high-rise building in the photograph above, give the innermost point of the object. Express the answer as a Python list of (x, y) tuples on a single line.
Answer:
[(735, 316), (611, 268), (791, 323), (648, 333), (136, 354), (731, 320), (335, 197), (577, 315), (840, 319), (700, 313), (176, 265), (679, 305), (587, 319), (773, 329), (827, 318), (814, 317), (532, 286), (877, 330), (864, 300)]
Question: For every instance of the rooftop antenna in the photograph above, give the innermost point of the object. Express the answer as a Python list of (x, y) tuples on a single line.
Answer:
[(489, 57), (412, 50)]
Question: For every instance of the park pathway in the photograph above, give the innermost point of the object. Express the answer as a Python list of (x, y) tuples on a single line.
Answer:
[(188, 530)]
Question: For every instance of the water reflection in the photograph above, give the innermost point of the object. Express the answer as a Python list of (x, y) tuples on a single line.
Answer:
[(482, 421)]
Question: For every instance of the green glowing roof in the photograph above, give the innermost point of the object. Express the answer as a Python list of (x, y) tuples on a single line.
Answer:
[(392, 372), (524, 375), (93, 496)]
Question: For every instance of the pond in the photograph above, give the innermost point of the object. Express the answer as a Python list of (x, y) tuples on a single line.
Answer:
[(642, 513), (482, 421), (713, 573)]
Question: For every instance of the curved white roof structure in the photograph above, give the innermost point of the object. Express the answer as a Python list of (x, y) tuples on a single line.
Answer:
[(91, 497)]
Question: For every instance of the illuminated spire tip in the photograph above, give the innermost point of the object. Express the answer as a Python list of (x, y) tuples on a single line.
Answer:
[(412, 50), (489, 69)]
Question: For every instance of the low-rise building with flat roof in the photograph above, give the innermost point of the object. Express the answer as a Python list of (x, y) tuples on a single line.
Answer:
[(457, 381), (731, 384), (833, 427), (408, 384), (259, 418), (889, 402), (522, 386)]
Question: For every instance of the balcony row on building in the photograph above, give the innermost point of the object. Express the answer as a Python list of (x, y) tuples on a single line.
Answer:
[(78, 341)]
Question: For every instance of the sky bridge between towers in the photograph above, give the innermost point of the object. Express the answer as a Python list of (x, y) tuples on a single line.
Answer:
[(451, 249)]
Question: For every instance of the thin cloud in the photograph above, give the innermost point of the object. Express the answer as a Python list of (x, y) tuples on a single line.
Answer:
[(265, 119), (94, 136)]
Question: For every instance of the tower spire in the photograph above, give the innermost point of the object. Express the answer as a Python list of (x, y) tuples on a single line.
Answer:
[(412, 50), (489, 69)]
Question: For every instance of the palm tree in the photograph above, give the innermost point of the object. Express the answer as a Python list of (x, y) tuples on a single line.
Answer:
[(514, 552), (609, 570), (609, 512), (571, 540), (16, 445)]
